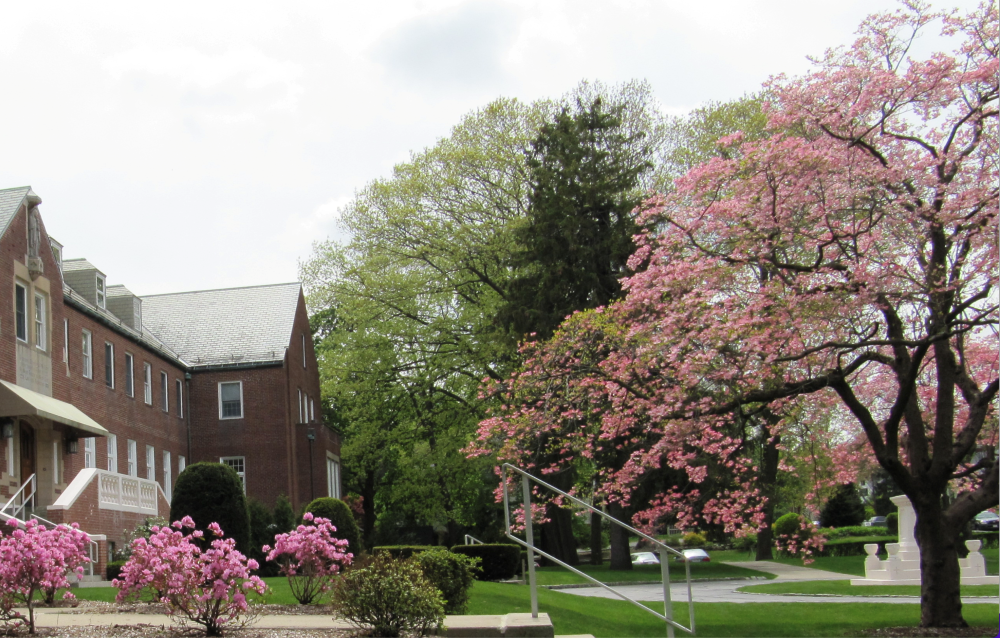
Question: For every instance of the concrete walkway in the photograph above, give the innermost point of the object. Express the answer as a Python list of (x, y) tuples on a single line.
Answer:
[(726, 591)]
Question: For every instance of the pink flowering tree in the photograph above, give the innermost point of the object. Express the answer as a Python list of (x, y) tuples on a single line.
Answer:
[(35, 559), (841, 271), (198, 587), (310, 556)]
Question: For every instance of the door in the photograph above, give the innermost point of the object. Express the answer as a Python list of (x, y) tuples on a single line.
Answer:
[(27, 452)]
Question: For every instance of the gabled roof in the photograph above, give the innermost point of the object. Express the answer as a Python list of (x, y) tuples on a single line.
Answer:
[(79, 263), (227, 326), (10, 201)]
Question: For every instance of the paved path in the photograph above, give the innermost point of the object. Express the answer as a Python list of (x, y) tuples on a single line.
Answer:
[(724, 591)]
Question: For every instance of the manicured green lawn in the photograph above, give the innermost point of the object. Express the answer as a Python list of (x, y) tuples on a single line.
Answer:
[(614, 618), (844, 588), (855, 565), (644, 573), (280, 594)]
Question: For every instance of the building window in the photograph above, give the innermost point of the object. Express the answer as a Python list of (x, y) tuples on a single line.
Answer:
[(181, 464), (88, 362), (147, 383), (333, 477), (129, 375), (101, 299), (166, 475), (112, 453), (10, 456), (21, 312), (301, 420), (238, 463), (179, 393), (55, 462), (132, 461), (90, 452), (150, 463), (303, 351), (109, 365), (65, 340), (231, 400), (41, 335), (312, 411), (164, 387)]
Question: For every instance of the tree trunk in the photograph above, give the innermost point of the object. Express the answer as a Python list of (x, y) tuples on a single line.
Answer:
[(940, 576), (557, 535), (621, 557), (596, 539), (768, 480)]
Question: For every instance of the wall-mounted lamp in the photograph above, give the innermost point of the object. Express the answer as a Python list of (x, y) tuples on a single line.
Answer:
[(7, 428), (72, 444)]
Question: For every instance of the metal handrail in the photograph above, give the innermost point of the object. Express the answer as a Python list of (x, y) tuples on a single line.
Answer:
[(93, 549), (472, 540), (24, 499), (663, 553)]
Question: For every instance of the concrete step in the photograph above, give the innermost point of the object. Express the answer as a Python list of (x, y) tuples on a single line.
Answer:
[(506, 626)]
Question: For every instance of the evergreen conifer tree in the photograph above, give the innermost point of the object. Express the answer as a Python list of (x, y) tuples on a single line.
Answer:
[(844, 508)]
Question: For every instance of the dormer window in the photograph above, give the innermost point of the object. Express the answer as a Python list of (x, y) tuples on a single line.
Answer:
[(56, 253), (101, 297)]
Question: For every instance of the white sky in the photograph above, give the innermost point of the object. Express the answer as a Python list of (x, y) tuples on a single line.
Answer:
[(191, 145)]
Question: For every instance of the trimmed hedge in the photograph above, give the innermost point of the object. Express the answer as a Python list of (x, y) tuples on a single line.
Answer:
[(500, 561), (855, 531), (853, 546), (401, 551), (213, 493), (342, 518)]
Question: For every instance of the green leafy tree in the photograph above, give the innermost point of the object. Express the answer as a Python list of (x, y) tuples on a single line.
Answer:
[(844, 509)]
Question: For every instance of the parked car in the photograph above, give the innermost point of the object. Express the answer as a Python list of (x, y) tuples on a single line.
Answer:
[(693, 556), (875, 521), (986, 521), (645, 558)]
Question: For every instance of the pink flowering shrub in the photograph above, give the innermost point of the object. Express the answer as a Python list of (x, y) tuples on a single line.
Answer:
[(36, 559), (795, 536), (198, 587), (310, 557)]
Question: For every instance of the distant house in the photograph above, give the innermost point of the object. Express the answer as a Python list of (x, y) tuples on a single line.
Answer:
[(105, 396)]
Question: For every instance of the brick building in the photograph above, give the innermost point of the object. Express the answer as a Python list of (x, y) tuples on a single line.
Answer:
[(106, 396)]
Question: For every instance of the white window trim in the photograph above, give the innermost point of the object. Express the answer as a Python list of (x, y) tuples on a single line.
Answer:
[(165, 389), (181, 463), (41, 322), (129, 375), (10, 456), (133, 461), (243, 474), (147, 383), (300, 406), (112, 362), (55, 462), (221, 383), (90, 452), (101, 290), (112, 453), (312, 411), (88, 354), (333, 478), (19, 287), (150, 463), (303, 351), (166, 475), (65, 340)]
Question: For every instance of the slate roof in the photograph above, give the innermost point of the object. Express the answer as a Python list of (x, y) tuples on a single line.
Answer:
[(10, 201), (227, 326), (79, 263), (118, 290)]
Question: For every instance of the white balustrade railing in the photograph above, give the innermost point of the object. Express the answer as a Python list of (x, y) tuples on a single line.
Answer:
[(114, 492)]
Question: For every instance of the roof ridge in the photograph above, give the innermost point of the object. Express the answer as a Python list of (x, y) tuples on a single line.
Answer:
[(192, 292), (16, 188)]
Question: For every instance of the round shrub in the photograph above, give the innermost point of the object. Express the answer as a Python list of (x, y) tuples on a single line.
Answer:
[(892, 522), (693, 539), (213, 493), (338, 513), (745, 543), (452, 574), (389, 596), (500, 561), (401, 551), (790, 523)]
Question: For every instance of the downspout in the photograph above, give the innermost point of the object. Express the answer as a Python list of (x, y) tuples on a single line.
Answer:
[(187, 413)]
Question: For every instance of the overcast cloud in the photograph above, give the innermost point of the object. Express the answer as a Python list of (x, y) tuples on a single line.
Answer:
[(197, 145)]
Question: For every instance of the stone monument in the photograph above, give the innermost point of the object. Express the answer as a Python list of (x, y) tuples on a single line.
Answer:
[(903, 565)]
